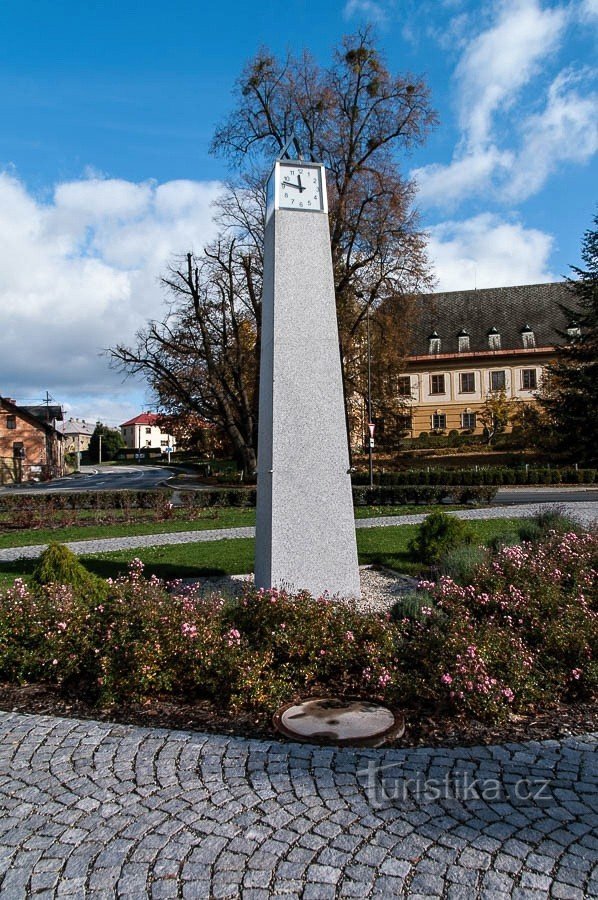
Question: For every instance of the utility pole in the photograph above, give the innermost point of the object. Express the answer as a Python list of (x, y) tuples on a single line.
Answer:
[(100, 450), (370, 423)]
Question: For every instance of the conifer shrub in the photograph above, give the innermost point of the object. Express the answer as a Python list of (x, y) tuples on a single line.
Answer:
[(58, 565), (437, 535)]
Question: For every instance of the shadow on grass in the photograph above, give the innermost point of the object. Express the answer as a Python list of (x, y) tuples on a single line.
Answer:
[(108, 568)]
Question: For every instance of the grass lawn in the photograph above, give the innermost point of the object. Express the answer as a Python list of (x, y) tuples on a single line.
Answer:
[(215, 517), (385, 546)]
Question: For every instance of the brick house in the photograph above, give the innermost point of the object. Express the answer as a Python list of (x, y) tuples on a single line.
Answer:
[(30, 446), (466, 345)]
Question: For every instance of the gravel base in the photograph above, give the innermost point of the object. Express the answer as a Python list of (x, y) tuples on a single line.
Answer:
[(380, 588)]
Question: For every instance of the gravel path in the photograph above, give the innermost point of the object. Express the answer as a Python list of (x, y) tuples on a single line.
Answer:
[(95, 810), (582, 512)]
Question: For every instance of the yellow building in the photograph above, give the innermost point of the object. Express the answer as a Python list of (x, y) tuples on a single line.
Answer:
[(469, 344)]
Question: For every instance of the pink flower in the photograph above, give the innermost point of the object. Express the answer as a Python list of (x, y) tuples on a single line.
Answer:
[(349, 636), (447, 679), (384, 678), (233, 638), (508, 695), (576, 674)]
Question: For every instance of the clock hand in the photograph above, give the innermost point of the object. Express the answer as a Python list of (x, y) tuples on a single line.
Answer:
[(301, 188), (290, 184)]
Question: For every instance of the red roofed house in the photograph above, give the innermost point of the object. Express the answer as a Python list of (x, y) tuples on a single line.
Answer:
[(144, 433)]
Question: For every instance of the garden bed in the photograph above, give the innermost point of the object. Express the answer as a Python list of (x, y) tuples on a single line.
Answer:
[(500, 644), (427, 728)]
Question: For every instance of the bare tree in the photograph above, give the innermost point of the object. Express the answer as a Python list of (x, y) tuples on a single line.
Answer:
[(354, 116), (204, 355)]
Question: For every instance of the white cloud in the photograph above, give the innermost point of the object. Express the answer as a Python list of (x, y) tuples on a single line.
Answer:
[(470, 174), (486, 251), (80, 273), (507, 148), (374, 10), (565, 131), (501, 60), (588, 10)]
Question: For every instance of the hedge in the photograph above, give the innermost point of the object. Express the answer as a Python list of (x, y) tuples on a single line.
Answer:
[(85, 500), (379, 495), (489, 476), (398, 495)]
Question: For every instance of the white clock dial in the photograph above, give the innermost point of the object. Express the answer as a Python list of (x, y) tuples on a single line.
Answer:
[(300, 187)]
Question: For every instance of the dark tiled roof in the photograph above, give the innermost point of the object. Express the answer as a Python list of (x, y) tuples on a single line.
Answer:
[(45, 413), (507, 309)]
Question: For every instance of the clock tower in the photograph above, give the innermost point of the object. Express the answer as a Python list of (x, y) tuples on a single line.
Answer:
[(305, 534)]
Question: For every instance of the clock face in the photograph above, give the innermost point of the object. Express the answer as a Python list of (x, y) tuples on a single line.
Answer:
[(300, 187)]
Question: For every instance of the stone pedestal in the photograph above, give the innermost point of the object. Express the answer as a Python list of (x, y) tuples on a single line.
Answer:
[(305, 536)]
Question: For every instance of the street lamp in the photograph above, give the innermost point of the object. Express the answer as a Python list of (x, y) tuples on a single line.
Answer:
[(370, 423)]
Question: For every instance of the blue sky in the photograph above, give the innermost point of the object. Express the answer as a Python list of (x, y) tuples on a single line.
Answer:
[(107, 111)]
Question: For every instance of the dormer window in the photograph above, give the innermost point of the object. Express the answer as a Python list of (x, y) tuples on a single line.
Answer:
[(434, 343), (494, 339), (463, 339), (528, 337), (573, 331)]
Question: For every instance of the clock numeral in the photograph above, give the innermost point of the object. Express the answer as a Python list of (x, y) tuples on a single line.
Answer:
[(309, 202), (301, 204), (286, 195)]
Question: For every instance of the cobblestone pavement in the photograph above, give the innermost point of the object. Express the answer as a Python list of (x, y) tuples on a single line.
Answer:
[(98, 810), (582, 512)]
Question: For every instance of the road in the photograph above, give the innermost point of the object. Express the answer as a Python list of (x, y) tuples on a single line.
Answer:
[(554, 495), (94, 478)]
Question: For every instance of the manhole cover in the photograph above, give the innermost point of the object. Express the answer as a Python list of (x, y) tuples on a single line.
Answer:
[(330, 720)]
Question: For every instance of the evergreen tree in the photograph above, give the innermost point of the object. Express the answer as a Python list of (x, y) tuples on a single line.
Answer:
[(112, 442), (570, 391)]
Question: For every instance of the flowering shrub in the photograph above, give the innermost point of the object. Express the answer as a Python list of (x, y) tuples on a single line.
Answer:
[(524, 632)]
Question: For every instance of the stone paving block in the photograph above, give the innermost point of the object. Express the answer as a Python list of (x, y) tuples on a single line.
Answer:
[(568, 892), (177, 813)]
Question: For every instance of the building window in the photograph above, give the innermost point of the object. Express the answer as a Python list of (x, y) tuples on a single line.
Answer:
[(439, 422), (573, 331), (434, 342), (437, 384), (493, 339), (528, 379), (497, 381), (528, 337), (468, 421), (404, 386), (18, 450), (148, 430), (11, 422), (467, 382), (463, 341), (404, 423)]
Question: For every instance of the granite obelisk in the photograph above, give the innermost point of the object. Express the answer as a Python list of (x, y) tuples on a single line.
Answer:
[(305, 535)]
